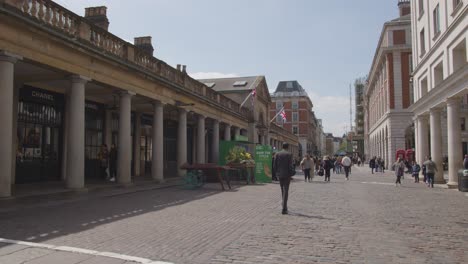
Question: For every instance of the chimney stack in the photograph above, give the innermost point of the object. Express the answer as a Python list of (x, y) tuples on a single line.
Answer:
[(144, 43), (405, 7), (178, 67), (98, 15), (184, 68)]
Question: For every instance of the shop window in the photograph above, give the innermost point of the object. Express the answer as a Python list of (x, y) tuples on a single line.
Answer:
[(436, 21)]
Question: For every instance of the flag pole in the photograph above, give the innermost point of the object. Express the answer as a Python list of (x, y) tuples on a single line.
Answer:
[(277, 114), (248, 96)]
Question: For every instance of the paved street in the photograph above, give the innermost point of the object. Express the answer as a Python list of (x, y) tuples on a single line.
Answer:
[(364, 220)]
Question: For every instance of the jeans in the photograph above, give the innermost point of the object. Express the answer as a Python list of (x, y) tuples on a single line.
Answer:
[(398, 179), (307, 174), (284, 184), (430, 179), (347, 169)]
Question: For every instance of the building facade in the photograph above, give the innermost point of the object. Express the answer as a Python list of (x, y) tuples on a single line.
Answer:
[(300, 119), (388, 95), (69, 86), (440, 83), (240, 90), (358, 139)]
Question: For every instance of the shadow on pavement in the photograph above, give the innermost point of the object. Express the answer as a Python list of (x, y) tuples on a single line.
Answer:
[(308, 216)]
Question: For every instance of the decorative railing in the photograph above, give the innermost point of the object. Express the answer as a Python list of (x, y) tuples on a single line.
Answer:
[(60, 19)]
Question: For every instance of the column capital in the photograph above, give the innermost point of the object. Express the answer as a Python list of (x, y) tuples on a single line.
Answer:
[(126, 93), (453, 101), (216, 121), (158, 103), (435, 110), (9, 57), (423, 117), (200, 116), (79, 79)]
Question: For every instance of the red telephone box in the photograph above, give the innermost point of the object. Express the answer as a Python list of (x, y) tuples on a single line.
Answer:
[(401, 153), (410, 156)]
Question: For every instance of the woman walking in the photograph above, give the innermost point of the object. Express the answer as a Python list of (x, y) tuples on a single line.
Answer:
[(307, 164), (399, 167)]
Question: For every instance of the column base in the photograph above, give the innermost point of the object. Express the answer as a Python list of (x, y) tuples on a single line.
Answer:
[(79, 190), (452, 185), (159, 181), (440, 181), (127, 184)]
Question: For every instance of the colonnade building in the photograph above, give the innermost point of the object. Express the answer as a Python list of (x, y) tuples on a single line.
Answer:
[(387, 95), (440, 83), (68, 86)]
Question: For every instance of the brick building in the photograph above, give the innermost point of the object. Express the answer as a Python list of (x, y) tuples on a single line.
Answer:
[(300, 119), (388, 95)]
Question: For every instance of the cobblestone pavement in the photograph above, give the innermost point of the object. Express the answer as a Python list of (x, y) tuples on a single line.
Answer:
[(364, 220)]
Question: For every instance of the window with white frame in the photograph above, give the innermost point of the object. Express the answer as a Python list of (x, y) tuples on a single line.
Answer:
[(421, 7), (436, 20), (279, 105), (295, 105), (295, 117), (295, 130), (422, 42)]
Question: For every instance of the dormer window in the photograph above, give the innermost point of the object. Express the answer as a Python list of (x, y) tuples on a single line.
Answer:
[(240, 83)]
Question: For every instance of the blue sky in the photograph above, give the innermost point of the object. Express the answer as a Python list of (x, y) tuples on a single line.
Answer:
[(324, 45)]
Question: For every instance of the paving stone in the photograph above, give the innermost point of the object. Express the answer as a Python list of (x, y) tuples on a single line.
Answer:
[(6, 249), (22, 256), (60, 258)]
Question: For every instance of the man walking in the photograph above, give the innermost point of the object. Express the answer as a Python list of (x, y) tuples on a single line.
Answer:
[(283, 168), (465, 162), (346, 162), (372, 164), (431, 168)]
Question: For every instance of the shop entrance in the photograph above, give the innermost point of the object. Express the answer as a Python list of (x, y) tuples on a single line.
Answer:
[(94, 138), (39, 135)]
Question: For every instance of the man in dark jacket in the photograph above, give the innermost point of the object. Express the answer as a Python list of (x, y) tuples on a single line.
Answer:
[(372, 164), (282, 166)]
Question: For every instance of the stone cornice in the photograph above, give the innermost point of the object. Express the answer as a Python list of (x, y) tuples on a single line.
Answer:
[(450, 87)]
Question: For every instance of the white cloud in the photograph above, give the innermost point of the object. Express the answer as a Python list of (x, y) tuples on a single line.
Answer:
[(334, 112), (212, 75)]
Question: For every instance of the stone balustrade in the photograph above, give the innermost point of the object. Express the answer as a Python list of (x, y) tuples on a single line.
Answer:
[(60, 19)]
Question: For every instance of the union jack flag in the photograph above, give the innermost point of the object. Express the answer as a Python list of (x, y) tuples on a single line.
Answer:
[(253, 93), (283, 115)]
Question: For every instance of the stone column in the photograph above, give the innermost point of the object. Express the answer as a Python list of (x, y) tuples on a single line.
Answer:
[(157, 169), (182, 141), (75, 177), (125, 140), (136, 145), (201, 139), (7, 62), (237, 131), (423, 130), (416, 140), (66, 121), (253, 137), (454, 141), (436, 144), (227, 132), (215, 144)]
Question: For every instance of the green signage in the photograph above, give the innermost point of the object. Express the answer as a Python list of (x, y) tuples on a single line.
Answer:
[(241, 138), (263, 170)]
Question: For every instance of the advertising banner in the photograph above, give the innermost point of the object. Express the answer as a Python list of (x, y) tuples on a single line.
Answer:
[(263, 170)]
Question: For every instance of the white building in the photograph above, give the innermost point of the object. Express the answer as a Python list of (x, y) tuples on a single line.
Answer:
[(440, 82), (387, 94)]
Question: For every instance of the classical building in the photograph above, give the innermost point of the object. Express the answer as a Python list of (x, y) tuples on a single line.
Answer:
[(300, 119), (388, 94), (261, 131), (440, 82), (69, 86)]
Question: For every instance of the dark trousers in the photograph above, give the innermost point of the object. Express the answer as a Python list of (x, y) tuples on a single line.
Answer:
[(347, 170), (430, 179), (398, 179), (327, 175), (284, 184), (113, 170), (416, 177), (103, 172), (307, 174), (372, 168)]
